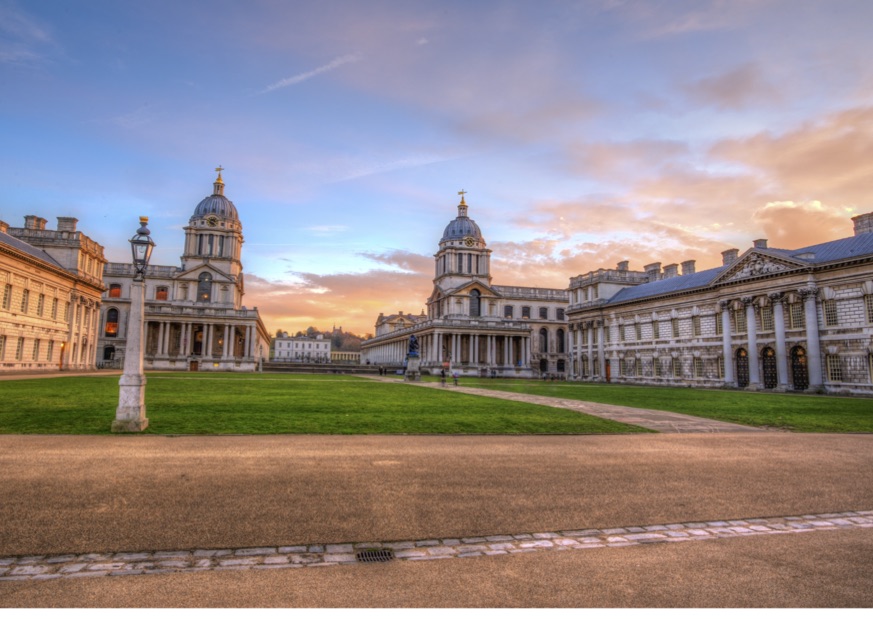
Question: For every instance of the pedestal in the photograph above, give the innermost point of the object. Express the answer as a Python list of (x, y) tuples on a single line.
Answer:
[(130, 414), (412, 368)]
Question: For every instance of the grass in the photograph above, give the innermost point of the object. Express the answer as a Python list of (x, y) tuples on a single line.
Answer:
[(788, 411), (181, 403)]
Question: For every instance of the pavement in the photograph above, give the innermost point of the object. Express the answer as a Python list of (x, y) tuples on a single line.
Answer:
[(699, 516)]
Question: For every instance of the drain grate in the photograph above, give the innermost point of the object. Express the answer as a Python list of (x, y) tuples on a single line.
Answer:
[(375, 555)]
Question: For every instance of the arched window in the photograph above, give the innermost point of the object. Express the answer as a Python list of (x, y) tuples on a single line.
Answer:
[(544, 340), (204, 288), (475, 303), (111, 323), (560, 338)]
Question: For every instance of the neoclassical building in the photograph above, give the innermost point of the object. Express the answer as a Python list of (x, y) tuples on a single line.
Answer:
[(302, 349), (194, 315), (472, 325), (52, 282), (775, 319)]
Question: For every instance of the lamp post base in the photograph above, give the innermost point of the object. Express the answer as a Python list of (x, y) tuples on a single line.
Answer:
[(130, 414)]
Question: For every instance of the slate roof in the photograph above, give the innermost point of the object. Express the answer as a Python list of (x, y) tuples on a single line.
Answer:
[(831, 251), (27, 248)]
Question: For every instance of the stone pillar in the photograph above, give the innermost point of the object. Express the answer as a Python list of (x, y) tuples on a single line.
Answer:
[(727, 352), (589, 333), (752, 332), (130, 414), (210, 332), (810, 294), (601, 353), (226, 347), (781, 352)]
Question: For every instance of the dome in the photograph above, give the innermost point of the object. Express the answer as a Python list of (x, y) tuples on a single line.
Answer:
[(216, 204), (461, 226)]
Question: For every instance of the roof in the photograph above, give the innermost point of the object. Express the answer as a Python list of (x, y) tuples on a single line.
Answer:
[(27, 248), (831, 251)]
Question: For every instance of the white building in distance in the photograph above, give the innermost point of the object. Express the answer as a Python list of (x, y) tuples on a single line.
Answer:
[(301, 349)]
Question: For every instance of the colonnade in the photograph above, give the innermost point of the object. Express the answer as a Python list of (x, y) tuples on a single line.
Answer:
[(173, 338), (438, 347)]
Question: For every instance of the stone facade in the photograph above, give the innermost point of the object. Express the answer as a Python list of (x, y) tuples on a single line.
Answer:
[(771, 319), (473, 326), (52, 282), (194, 317), (301, 349)]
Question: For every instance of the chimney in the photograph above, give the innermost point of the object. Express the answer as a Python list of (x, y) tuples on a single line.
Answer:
[(32, 222), (688, 267), (653, 271), (4, 227), (622, 266), (863, 224), (760, 243), (671, 270), (729, 256), (67, 224)]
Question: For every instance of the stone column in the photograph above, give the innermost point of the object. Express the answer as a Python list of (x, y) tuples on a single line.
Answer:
[(810, 294), (589, 333), (752, 332), (601, 353), (781, 352), (727, 352), (226, 346)]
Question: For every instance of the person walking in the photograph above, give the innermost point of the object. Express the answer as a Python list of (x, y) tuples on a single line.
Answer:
[(455, 377), (443, 377)]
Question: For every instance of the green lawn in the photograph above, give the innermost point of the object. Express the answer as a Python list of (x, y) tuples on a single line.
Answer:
[(797, 412), (181, 403)]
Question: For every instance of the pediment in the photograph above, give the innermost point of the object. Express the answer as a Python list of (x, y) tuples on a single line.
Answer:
[(756, 263), (194, 274), (467, 287)]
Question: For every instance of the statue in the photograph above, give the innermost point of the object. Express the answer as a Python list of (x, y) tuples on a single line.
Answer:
[(413, 346)]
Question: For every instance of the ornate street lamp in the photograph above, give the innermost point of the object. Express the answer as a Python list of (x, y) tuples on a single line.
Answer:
[(130, 414)]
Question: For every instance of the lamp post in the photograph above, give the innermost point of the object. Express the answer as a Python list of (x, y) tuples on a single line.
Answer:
[(130, 414)]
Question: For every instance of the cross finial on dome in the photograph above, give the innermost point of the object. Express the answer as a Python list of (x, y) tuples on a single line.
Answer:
[(219, 184), (461, 193), (462, 206)]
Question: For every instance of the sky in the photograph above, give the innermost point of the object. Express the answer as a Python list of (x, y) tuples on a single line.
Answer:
[(585, 133)]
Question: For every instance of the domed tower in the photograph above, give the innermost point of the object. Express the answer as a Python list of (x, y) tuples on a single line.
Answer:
[(463, 256), (214, 234)]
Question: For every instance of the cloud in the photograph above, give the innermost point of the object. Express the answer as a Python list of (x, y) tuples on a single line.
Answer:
[(302, 77), (734, 89), (791, 225), (23, 39)]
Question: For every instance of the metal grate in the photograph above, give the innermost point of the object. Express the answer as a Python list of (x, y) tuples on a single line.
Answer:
[(375, 555)]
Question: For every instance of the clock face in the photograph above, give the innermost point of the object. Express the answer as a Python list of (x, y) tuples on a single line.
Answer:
[(212, 220), (469, 241)]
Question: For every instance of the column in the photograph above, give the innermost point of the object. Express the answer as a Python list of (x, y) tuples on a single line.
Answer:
[(601, 354), (810, 294), (752, 331), (159, 349), (729, 380), (226, 342), (781, 353), (207, 340), (589, 333)]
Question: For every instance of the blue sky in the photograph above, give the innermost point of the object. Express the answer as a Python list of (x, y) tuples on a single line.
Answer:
[(585, 133)]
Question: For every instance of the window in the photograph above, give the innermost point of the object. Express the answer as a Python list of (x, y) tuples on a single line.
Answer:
[(695, 326), (204, 288), (559, 337), (114, 291), (638, 329), (111, 323), (739, 320), (718, 325), (25, 301), (675, 323), (475, 303), (677, 368), (698, 367), (544, 340), (54, 309), (868, 301), (50, 350), (795, 316), (7, 296), (627, 367), (766, 318), (607, 334), (2, 347), (36, 350), (525, 311), (829, 308), (721, 367), (508, 311), (638, 367), (19, 349), (460, 263), (656, 329), (656, 365), (40, 305), (835, 370), (559, 314), (544, 313), (67, 311), (621, 332)]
